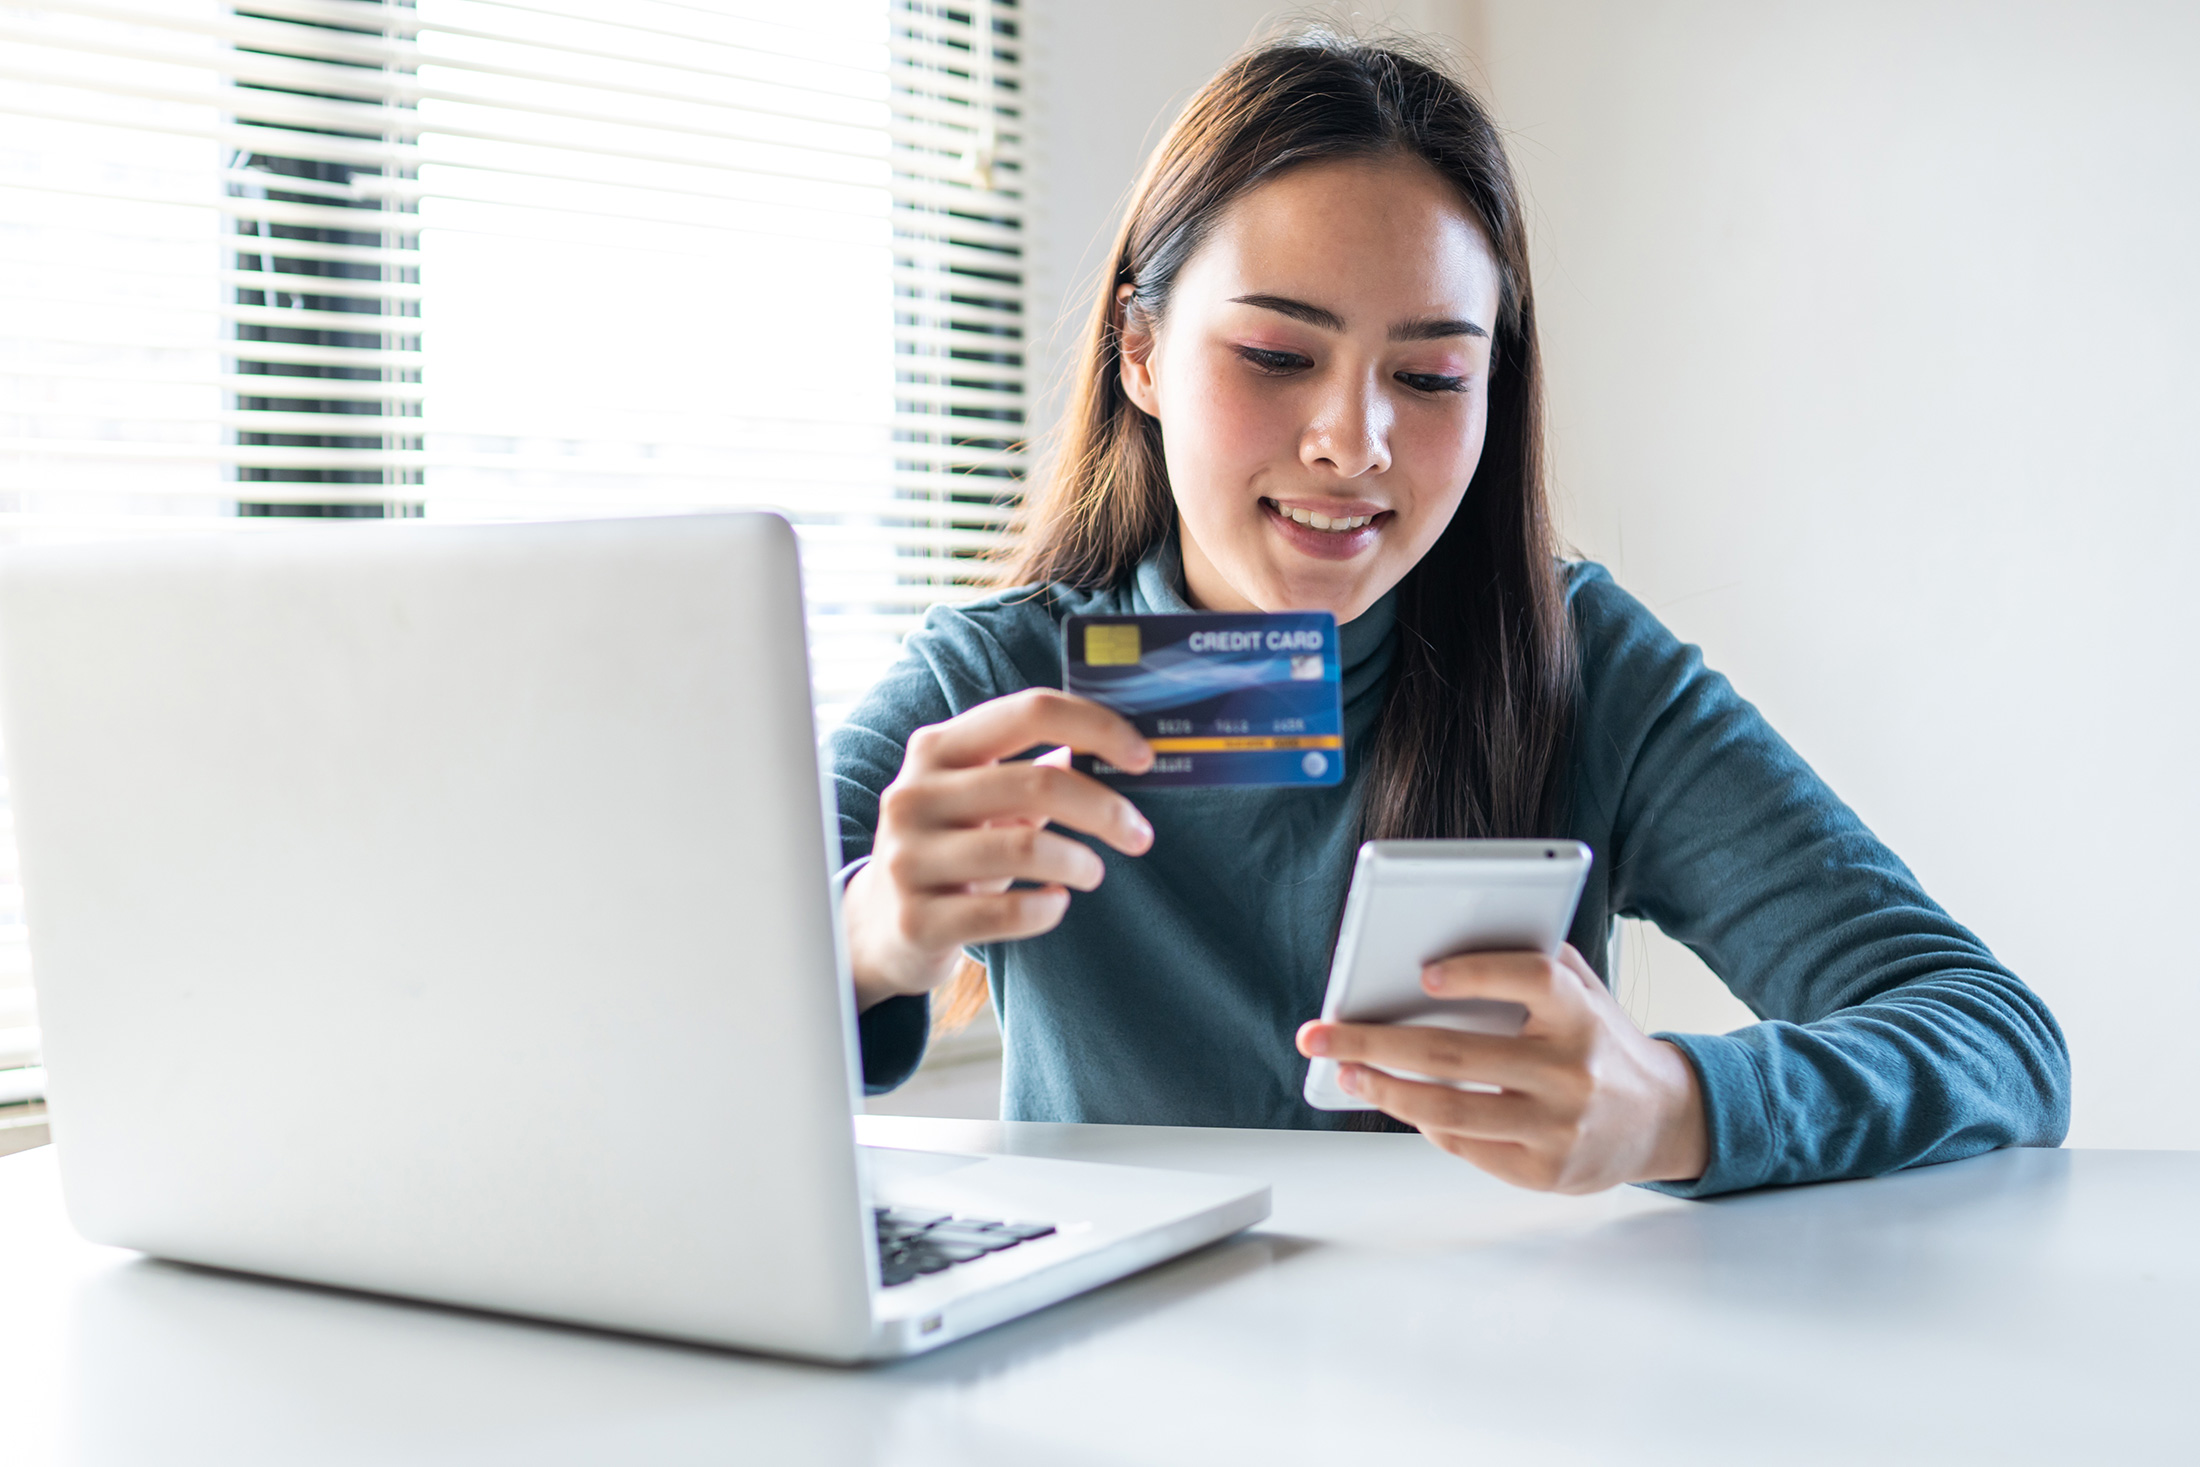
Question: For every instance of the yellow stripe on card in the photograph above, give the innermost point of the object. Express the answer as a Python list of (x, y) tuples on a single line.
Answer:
[(1246, 744)]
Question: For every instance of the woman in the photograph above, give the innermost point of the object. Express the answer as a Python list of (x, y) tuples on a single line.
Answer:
[(1312, 383)]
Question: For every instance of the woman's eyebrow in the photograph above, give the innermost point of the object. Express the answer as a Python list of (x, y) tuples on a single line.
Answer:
[(1421, 328), (1434, 328), (1296, 310)]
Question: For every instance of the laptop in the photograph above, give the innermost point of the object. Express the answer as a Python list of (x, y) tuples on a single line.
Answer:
[(447, 912)]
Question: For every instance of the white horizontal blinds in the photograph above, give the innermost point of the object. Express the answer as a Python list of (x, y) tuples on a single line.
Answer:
[(321, 286), (111, 327), (960, 348), (187, 208)]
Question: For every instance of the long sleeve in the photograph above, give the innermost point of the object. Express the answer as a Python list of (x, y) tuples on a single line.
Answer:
[(1891, 1037)]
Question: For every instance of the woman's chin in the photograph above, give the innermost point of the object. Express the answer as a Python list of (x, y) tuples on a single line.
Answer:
[(1343, 590)]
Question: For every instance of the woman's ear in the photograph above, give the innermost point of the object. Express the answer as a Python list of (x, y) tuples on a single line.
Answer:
[(1134, 337)]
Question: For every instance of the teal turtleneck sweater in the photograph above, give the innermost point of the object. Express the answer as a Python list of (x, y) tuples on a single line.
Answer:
[(1890, 1036)]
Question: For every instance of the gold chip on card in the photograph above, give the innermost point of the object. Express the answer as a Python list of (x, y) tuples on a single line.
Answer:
[(1111, 646)]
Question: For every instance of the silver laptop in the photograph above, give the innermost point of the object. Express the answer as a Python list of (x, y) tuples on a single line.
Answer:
[(446, 912)]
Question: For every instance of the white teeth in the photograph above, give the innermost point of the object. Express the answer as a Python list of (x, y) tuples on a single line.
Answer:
[(1322, 521)]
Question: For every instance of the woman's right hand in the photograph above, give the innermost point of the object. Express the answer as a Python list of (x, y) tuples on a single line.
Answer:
[(958, 825)]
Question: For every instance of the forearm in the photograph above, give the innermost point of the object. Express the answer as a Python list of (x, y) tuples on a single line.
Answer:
[(1931, 1071)]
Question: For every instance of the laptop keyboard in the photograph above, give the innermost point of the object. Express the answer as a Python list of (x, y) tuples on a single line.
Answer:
[(912, 1241)]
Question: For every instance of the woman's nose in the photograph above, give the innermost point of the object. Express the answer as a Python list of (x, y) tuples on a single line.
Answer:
[(1350, 437)]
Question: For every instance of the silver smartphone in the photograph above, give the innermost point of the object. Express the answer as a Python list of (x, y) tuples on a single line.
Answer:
[(1414, 901)]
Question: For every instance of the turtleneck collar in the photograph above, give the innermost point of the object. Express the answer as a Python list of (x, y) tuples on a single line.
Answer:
[(1365, 644)]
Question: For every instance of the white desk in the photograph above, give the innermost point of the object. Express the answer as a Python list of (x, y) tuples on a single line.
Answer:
[(2031, 1306)]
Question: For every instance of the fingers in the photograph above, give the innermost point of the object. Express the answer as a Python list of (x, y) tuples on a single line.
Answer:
[(1020, 721), (1445, 1053), (957, 858), (1520, 977), (944, 923), (1439, 1108), (958, 832), (1029, 791)]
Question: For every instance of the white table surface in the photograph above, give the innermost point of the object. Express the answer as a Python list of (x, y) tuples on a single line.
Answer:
[(2029, 1306)]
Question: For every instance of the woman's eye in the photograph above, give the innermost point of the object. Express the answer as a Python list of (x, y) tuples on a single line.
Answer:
[(1431, 382), (1275, 363)]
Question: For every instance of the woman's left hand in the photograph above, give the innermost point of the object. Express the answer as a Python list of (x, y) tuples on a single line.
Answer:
[(1587, 1100)]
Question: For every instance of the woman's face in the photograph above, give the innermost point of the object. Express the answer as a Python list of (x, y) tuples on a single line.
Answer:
[(1321, 377)]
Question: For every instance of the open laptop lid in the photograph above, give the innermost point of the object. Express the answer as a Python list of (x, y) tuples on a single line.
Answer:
[(444, 911)]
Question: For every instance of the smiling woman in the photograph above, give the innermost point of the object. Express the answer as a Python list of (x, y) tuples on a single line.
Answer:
[(1311, 383)]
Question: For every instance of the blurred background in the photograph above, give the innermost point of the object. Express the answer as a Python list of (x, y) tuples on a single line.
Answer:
[(1870, 334)]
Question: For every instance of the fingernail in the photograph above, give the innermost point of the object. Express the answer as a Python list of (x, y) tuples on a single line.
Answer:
[(1142, 826), (1431, 979), (1317, 1043), (1348, 1079)]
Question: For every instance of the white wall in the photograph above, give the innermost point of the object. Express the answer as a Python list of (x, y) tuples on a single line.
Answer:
[(1873, 341), (1873, 332)]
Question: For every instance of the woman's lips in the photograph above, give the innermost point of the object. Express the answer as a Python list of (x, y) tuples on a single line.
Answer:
[(1331, 544)]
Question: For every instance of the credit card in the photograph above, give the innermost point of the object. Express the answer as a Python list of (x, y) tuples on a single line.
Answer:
[(1225, 698)]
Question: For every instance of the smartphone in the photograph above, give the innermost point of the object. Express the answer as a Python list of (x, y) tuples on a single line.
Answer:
[(1414, 901)]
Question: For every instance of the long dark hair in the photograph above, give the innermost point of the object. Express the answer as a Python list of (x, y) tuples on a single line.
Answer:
[(1472, 736)]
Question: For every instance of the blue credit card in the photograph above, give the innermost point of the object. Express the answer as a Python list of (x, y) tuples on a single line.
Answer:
[(1225, 698)]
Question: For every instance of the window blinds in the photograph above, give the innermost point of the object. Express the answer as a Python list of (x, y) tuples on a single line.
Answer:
[(478, 259)]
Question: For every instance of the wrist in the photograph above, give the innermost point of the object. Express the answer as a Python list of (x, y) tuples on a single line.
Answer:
[(871, 991), (1682, 1152), (877, 982), (883, 965)]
